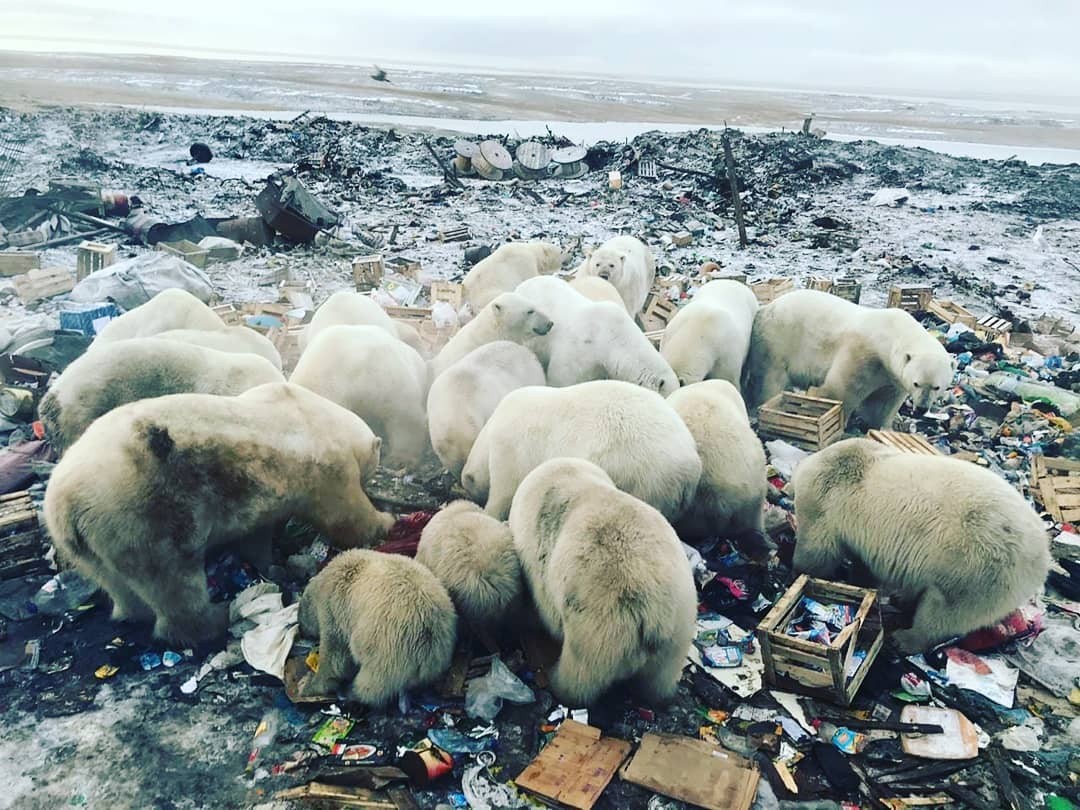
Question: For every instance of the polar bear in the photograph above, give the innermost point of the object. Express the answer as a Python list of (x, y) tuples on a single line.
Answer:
[(950, 538), (633, 434), (237, 339), (473, 556), (597, 289), (507, 267), (138, 500), (869, 359), (169, 309), (376, 376), (731, 494), (609, 579), (384, 622), (140, 368), (508, 317), (350, 308), (630, 267), (708, 339), (463, 397), (593, 340)]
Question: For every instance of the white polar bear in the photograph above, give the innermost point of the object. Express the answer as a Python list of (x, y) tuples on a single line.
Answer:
[(630, 432), (237, 339), (129, 370), (731, 494), (473, 556), (945, 535), (463, 397), (350, 308), (507, 267), (593, 340), (508, 317), (708, 339), (870, 359), (609, 579), (629, 265), (377, 377), (597, 289), (169, 309)]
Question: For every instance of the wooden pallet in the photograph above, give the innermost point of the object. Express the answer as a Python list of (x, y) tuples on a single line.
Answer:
[(910, 297), (1055, 483), (770, 289), (809, 422), (811, 667), (905, 442), (951, 312)]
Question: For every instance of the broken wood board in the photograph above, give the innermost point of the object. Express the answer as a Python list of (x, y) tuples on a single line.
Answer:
[(341, 795), (904, 442), (37, 285), (575, 767), (1055, 483), (693, 771)]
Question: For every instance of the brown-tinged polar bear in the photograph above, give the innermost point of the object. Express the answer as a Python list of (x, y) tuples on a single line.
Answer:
[(869, 359), (376, 376), (508, 317), (350, 308), (236, 339), (507, 267), (630, 267), (141, 368), (593, 340), (949, 537), (169, 309), (731, 494), (633, 434), (597, 289), (384, 622), (609, 579), (138, 500), (473, 556), (708, 339), (463, 397)]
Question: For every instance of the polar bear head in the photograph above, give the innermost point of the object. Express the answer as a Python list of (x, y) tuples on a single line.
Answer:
[(927, 376), (608, 264), (549, 257), (517, 318)]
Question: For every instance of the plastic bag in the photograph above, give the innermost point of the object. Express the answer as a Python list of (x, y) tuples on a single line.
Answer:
[(135, 281), (443, 315), (484, 696), (64, 592)]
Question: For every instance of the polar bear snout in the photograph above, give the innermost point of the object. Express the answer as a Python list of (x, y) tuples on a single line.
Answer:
[(543, 327)]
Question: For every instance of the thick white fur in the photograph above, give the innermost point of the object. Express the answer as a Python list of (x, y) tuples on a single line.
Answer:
[(236, 339), (169, 309), (350, 308), (944, 535), (709, 338), (508, 317), (609, 579), (597, 289), (463, 397), (507, 267), (632, 434), (629, 265)]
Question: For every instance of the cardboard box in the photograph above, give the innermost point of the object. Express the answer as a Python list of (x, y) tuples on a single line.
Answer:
[(693, 771), (575, 767)]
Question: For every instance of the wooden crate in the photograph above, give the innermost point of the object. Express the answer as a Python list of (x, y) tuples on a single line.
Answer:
[(847, 288), (404, 266), (951, 312), (910, 297), (905, 442), (1055, 483), (658, 312), (13, 263), (459, 233), (286, 340), (819, 283), (809, 422), (93, 256), (229, 313), (994, 328), (449, 291), (815, 669), (655, 336), (367, 272), (37, 285), (770, 289), (22, 544), (186, 250)]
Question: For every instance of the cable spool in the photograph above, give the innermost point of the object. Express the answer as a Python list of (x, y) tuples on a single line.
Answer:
[(465, 150), (532, 159), (569, 162), (492, 161)]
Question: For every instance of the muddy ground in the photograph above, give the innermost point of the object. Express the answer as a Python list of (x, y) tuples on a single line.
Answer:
[(134, 740)]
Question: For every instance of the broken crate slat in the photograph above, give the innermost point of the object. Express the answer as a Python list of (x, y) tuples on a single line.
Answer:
[(1056, 485), (905, 442)]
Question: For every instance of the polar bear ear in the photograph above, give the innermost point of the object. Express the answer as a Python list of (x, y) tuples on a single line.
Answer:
[(497, 310), (907, 358), (622, 258)]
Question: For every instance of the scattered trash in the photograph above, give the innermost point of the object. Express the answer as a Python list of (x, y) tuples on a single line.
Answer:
[(484, 696)]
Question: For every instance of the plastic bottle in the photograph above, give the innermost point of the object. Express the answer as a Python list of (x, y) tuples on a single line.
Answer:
[(1066, 401)]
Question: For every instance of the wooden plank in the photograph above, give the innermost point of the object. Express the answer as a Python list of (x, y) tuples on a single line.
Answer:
[(575, 767), (37, 285)]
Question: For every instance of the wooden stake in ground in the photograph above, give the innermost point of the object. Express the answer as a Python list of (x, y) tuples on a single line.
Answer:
[(736, 200)]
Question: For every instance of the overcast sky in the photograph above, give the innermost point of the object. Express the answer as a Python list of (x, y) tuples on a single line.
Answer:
[(1018, 50)]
